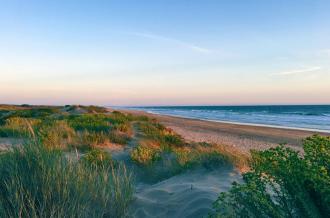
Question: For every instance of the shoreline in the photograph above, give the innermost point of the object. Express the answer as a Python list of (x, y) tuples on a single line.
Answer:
[(240, 123), (242, 136)]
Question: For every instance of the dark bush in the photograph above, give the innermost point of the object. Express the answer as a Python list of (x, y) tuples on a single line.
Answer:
[(283, 184)]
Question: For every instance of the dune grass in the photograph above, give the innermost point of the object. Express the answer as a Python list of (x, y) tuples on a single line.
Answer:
[(282, 183), (100, 128), (41, 182), (89, 122), (163, 139), (55, 134), (161, 153), (208, 154), (160, 134), (59, 129)]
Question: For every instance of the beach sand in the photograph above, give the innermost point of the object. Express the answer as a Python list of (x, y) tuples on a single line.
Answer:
[(244, 137)]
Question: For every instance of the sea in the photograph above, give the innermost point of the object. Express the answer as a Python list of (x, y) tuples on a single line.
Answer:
[(305, 117)]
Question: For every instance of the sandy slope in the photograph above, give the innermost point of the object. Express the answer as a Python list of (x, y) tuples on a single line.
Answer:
[(186, 195)]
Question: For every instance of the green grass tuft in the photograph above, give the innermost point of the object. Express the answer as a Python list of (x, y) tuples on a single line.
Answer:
[(98, 157)]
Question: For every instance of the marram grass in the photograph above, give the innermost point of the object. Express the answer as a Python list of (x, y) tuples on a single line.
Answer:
[(40, 182)]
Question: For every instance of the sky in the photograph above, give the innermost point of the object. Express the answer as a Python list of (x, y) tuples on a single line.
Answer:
[(165, 52)]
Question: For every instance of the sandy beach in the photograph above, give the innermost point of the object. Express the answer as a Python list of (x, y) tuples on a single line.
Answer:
[(244, 137)]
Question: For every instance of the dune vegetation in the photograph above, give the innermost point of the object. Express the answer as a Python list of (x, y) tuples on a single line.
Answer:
[(66, 128), (59, 171), (66, 166), (162, 153)]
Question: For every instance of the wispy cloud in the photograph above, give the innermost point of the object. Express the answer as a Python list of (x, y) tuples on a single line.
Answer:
[(184, 44), (298, 71)]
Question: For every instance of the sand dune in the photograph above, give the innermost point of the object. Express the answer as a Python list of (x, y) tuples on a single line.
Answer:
[(186, 195), (192, 193)]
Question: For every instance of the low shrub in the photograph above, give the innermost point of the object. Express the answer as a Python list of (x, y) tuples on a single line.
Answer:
[(282, 183), (145, 155), (97, 157), (165, 136)]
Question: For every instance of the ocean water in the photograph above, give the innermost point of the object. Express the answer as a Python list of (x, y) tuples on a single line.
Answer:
[(310, 117)]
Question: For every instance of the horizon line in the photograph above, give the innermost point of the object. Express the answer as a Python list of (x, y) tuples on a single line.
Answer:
[(217, 105)]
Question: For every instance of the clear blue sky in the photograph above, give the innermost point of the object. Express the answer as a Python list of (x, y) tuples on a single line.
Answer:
[(165, 52)]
